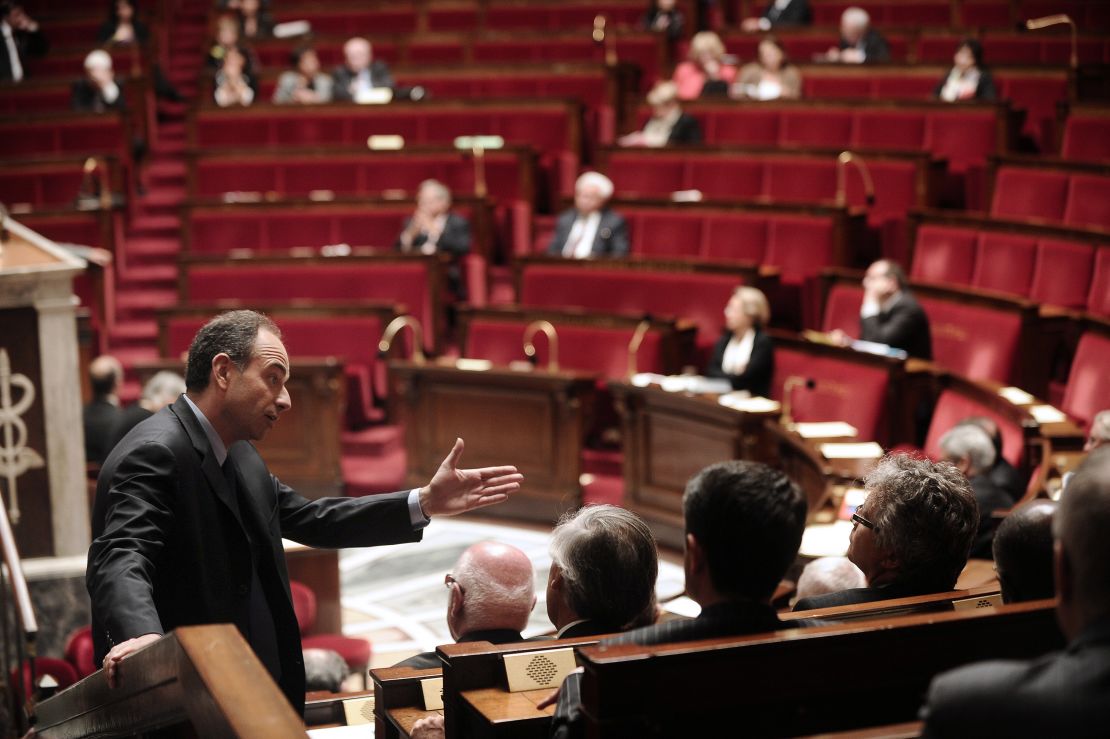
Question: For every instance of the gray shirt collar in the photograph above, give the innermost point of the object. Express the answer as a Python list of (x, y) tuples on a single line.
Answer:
[(214, 440)]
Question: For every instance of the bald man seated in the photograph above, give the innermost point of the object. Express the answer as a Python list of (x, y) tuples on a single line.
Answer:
[(491, 596)]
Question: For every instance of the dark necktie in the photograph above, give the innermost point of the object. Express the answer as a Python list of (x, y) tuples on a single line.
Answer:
[(262, 635)]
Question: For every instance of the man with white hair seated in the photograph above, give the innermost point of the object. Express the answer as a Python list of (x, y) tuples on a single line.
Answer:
[(1099, 435), (490, 596), (971, 451), (98, 91), (590, 228), (859, 42), (360, 74), (829, 575)]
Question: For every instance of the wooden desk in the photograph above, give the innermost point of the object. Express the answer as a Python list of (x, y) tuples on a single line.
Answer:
[(535, 420), (303, 447)]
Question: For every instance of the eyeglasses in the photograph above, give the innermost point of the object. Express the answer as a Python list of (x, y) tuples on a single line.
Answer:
[(858, 519)]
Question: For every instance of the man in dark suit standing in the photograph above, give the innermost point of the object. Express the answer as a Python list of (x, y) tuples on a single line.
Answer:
[(890, 315), (744, 524), (1062, 694), (20, 39), (360, 74), (912, 534), (590, 228), (102, 412), (188, 522), (779, 13)]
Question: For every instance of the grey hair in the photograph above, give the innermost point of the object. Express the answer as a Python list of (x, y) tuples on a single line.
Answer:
[(598, 180), (494, 599), (829, 575), (440, 189), (609, 562), (972, 443), (164, 387), (324, 669), (855, 17), (925, 514), (1100, 427)]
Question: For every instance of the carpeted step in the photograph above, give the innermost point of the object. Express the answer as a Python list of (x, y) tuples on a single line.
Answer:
[(374, 475), (143, 303), (134, 332), (161, 199), (169, 147), (146, 225), (166, 169), (373, 441), (149, 277), (145, 252)]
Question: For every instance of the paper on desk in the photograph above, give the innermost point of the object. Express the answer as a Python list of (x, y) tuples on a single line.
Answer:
[(1016, 395), (1047, 414), (826, 430), (826, 539), (742, 401), (861, 450), (365, 731)]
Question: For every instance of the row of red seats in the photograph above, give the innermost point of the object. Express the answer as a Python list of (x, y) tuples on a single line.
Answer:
[(1073, 196)]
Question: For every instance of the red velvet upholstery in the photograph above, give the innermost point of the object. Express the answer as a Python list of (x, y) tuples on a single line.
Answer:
[(944, 254), (80, 653), (84, 134), (1088, 389), (1089, 202), (220, 231), (1086, 137), (974, 341), (584, 348), (304, 606), (62, 671), (1098, 300), (1063, 273), (963, 138), (844, 391), (1006, 263), (1037, 95), (701, 298), (952, 407), (355, 652), (18, 99), (842, 309), (1030, 194)]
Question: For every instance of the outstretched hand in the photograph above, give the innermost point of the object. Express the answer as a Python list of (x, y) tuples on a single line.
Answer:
[(454, 491)]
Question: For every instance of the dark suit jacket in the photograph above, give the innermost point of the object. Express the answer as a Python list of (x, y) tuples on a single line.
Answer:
[(129, 418), (989, 497), (428, 660), (99, 418), (875, 48), (723, 619), (1064, 694), (27, 45), (797, 13), (984, 91), (454, 240), (611, 239), (686, 130), (86, 97), (379, 75), (173, 545), (859, 595), (903, 326), (756, 379), (1006, 477)]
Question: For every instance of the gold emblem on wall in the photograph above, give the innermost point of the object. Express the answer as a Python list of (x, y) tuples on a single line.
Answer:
[(15, 456)]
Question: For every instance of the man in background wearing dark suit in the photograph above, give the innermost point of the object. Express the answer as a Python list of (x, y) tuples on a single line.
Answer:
[(360, 74), (102, 413), (744, 524), (779, 13), (590, 228), (890, 315), (20, 39), (859, 42), (912, 534), (491, 597), (188, 521), (1062, 694), (1002, 473), (971, 451), (158, 392), (434, 227)]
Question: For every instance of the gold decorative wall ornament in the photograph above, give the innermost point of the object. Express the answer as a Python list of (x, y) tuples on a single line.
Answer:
[(15, 456)]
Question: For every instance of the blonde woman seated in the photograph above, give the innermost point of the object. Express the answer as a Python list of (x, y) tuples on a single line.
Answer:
[(705, 71), (668, 124), (745, 354), (770, 77)]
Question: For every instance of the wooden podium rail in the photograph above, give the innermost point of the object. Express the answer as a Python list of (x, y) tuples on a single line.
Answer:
[(199, 681)]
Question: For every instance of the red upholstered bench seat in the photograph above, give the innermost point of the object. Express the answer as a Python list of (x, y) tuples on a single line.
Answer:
[(55, 133), (33, 98), (1087, 136), (1088, 388), (1072, 197), (42, 186), (1007, 47), (603, 350)]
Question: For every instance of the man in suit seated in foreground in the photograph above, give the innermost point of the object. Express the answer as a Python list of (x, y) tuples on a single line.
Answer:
[(491, 595), (590, 228), (912, 534), (744, 524), (604, 565), (1065, 693)]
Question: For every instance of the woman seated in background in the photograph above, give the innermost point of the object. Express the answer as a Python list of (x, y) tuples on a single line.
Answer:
[(770, 77), (663, 17), (705, 71), (668, 124), (968, 78), (122, 27), (254, 21), (305, 83), (745, 355)]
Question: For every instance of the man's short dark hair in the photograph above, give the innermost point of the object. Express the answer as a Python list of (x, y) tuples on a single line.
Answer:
[(609, 562), (232, 333), (925, 514), (1023, 552), (749, 519)]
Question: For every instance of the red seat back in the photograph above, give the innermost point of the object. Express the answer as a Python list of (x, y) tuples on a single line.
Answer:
[(1098, 301), (953, 407), (1005, 262), (1063, 273), (304, 606), (944, 254), (975, 341), (79, 652), (62, 671), (1088, 389), (1030, 193), (1088, 202), (842, 309), (1086, 138)]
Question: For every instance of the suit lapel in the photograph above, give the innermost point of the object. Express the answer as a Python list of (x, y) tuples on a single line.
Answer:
[(209, 466)]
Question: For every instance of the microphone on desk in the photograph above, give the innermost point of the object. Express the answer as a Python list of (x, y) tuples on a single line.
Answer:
[(792, 382)]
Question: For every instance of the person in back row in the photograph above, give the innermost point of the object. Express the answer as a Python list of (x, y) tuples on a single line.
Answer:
[(603, 569), (859, 42), (99, 90), (490, 597), (744, 523), (1065, 693), (1023, 552), (158, 392), (890, 314), (668, 125), (590, 228), (1002, 473), (912, 534), (360, 74), (745, 354), (971, 451)]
